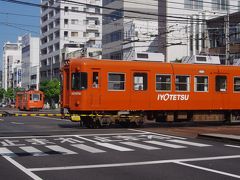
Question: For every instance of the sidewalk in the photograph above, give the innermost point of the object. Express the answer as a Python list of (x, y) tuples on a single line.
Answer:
[(227, 133), (221, 137)]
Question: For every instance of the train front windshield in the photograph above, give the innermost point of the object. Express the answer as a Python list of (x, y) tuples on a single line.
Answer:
[(79, 81), (35, 97)]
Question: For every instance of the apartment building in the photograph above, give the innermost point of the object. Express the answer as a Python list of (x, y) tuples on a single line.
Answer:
[(129, 27), (11, 64), (182, 25), (67, 22), (30, 62)]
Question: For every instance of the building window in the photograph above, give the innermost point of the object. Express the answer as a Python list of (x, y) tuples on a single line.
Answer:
[(74, 9), (116, 81), (182, 83), (238, 29), (66, 9), (193, 4), (237, 84), (74, 21), (65, 33), (201, 84), (74, 34), (163, 82), (220, 5), (65, 21), (140, 81), (221, 83)]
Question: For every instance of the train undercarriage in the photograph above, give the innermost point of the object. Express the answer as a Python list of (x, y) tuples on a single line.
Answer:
[(138, 118)]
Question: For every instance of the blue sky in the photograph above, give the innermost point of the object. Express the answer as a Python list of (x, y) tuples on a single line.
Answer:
[(26, 20)]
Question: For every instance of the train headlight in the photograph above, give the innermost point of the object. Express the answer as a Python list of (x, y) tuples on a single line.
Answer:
[(77, 103)]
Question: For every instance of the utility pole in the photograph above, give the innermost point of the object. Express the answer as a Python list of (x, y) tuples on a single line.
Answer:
[(227, 40)]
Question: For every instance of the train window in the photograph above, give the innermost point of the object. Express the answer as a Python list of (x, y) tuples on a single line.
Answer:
[(163, 82), (221, 83), (182, 83), (237, 84), (116, 81), (95, 80), (35, 97), (140, 81), (79, 81), (201, 84)]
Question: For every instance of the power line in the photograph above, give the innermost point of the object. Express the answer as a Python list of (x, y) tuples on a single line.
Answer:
[(129, 11)]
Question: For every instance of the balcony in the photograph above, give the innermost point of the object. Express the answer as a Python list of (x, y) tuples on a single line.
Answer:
[(92, 27)]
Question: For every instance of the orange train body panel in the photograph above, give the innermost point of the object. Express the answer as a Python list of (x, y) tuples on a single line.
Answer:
[(212, 95), (29, 100)]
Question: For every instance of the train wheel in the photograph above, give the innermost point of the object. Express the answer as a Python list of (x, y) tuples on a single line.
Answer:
[(124, 123), (87, 122)]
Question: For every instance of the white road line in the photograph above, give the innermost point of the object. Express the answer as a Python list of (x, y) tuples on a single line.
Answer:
[(32, 150), (58, 119), (229, 145), (23, 169), (61, 149), (76, 135), (134, 163), (6, 152), (165, 144), (147, 132), (142, 146), (209, 170), (18, 123), (86, 139), (87, 148), (115, 147), (189, 143)]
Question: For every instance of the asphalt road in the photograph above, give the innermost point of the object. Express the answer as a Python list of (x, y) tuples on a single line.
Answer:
[(52, 148)]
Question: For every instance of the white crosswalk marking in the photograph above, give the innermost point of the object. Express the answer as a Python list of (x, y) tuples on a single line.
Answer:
[(61, 150), (6, 152), (189, 143), (165, 144), (142, 146), (115, 147), (34, 151), (87, 148)]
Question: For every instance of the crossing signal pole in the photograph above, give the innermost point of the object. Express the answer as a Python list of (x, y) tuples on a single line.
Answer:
[(227, 40)]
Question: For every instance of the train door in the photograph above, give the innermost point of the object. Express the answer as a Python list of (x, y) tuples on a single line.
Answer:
[(221, 90), (65, 88), (139, 90), (95, 88)]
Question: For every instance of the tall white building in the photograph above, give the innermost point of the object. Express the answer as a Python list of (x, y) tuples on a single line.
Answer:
[(129, 27), (11, 64), (182, 25), (139, 36), (30, 62), (64, 22)]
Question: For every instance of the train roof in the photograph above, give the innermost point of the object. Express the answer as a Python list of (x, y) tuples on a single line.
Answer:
[(146, 65)]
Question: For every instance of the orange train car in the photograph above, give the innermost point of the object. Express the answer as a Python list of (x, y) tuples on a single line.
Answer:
[(155, 90), (30, 100)]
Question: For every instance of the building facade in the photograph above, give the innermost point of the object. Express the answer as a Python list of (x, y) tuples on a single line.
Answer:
[(182, 25), (129, 27), (11, 65), (63, 22), (30, 62), (217, 38)]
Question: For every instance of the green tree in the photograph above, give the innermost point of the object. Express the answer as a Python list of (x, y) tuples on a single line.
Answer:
[(10, 95), (51, 90)]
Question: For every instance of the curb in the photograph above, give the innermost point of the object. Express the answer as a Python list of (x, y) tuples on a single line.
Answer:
[(221, 137)]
